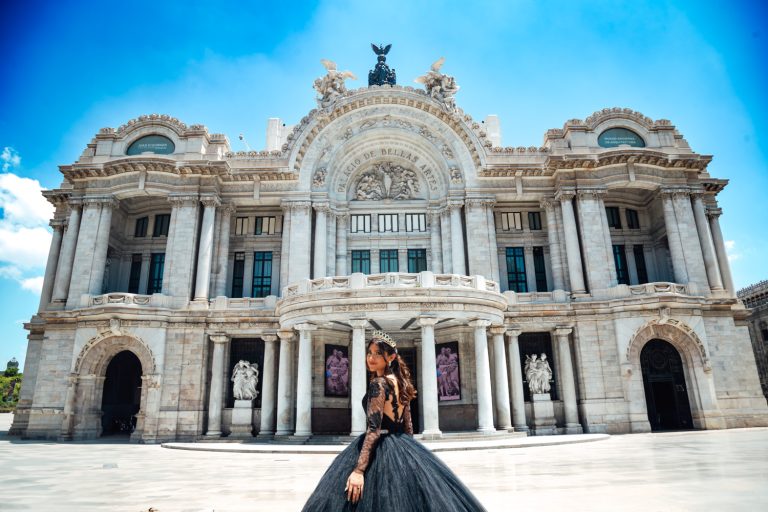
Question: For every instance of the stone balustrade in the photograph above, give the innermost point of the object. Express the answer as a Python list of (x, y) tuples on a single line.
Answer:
[(358, 281), (120, 298)]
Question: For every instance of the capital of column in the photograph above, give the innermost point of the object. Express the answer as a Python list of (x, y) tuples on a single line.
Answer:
[(74, 202), (480, 202), (590, 193), (565, 194), (672, 192), (228, 208), (286, 335), (322, 207), (210, 201), (714, 212), (103, 201), (479, 323), (514, 332), (219, 338), (58, 224), (498, 330), (358, 323), (563, 331), (548, 203), (305, 327), (269, 337), (454, 205), (178, 200), (297, 205), (428, 320)]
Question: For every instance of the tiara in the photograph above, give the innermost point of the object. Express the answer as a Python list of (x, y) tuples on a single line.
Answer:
[(381, 335)]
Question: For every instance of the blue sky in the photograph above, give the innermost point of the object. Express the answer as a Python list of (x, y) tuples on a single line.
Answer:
[(74, 67)]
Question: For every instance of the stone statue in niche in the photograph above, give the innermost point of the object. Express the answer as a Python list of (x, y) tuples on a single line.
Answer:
[(538, 373), (331, 86), (387, 181), (319, 179), (245, 377), (439, 86)]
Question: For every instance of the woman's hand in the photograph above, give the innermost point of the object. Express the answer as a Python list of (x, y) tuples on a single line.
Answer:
[(354, 488)]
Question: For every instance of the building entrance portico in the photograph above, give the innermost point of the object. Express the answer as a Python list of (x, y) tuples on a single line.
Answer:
[(122, 394), (666, 393)]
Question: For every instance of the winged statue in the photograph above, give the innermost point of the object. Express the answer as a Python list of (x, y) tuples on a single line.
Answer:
[(438, 85), (381, 74), (331, 86)]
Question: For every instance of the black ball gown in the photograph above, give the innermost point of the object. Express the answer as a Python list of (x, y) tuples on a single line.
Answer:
[(401, 475)]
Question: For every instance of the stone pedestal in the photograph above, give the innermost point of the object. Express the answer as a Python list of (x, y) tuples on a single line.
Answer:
[(543, 411), (242, 419)]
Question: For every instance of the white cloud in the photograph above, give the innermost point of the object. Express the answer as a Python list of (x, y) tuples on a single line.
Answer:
[(10, 158), (22, 201), (730, 250), (33, 284)]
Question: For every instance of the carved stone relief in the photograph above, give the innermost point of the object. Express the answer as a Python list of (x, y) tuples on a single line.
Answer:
[(387, 181)]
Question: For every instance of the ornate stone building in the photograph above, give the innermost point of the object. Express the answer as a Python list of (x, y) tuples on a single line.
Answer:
[(755, 298), (173, 257)]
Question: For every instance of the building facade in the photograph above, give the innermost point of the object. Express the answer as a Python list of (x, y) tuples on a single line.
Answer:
[(755, 298), (173, 257)]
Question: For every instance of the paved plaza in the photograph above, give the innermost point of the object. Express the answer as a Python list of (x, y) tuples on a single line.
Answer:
[(696, 471)]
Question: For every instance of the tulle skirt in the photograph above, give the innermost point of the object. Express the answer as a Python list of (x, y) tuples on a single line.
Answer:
[(402, 476)]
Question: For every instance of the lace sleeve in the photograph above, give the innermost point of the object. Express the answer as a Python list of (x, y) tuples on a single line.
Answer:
[(408, 423), (376, 399)]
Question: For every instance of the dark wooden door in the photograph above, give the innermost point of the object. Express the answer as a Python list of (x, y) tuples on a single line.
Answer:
[(666, 393)]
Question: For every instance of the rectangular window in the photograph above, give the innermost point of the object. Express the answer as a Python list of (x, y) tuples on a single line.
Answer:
[(361, 261), (516, 270), (162, 221), (765, 335), (140, 230), (540, 268), (241, 226), (360, 224), (417, 260), (388, 222), (614, 221), (388, 261), (265, 226), (238, 270), (534, 221), (155, 281), (633, 221), (262, 274), (509, 221), (620, 260), (642, 271), (135, 275), (415, 221)]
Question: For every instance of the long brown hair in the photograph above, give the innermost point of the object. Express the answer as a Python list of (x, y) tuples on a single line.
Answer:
[(399, 369)]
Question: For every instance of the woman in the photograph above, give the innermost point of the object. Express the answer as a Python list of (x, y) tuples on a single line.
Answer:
[(385, 469)]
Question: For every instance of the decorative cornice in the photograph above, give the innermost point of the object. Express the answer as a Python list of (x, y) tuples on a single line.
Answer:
[(183, 199), (624, 156), (565, 194), (210, 201)]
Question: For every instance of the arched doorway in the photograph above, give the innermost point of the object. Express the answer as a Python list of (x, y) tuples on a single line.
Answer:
[(666, 393), (121, 399)]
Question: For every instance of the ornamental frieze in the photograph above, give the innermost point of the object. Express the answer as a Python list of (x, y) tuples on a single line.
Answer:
[(387, 181)]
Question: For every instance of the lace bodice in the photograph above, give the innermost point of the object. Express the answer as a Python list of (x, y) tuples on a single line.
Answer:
[(380, 394)]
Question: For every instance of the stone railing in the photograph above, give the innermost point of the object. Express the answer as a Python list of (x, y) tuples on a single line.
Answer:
[(537, 297), (624, 291), (268, 302), (125, 299), (358, 281)]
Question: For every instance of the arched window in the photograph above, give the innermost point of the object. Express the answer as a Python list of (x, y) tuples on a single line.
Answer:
[(156, 144), (614, 137)]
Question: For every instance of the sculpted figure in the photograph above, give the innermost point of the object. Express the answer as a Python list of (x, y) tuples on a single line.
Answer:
[(538, 373), (439, 86), (370, 187), (331, 86), (245, 377)]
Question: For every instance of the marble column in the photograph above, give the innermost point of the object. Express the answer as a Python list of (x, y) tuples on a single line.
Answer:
[(483, 375), (492, 242), (600, 267), (556, 264), (182, 239), (357, 377), (428, 381), (285, 384), (342, 219), (503, 416), (330, 252), (573, 252), (91, 252), (216, 398), (301, 222), (478, 244), (205, 248), (285, 239), (689, 237), (516, 380), (673, 239), (530, 269), (144, 276), (707, 244), (610, 262), (304, 381), (445, 240), (101, 248), (222, 266), (321, 230), (268, 385), (457, 240), (50, 266), (567, 381), (248, 274), (67, 255), (435, 244), (722, 255)]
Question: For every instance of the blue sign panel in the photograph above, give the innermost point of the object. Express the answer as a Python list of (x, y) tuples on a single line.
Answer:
[(614, 137), (156, 144)]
